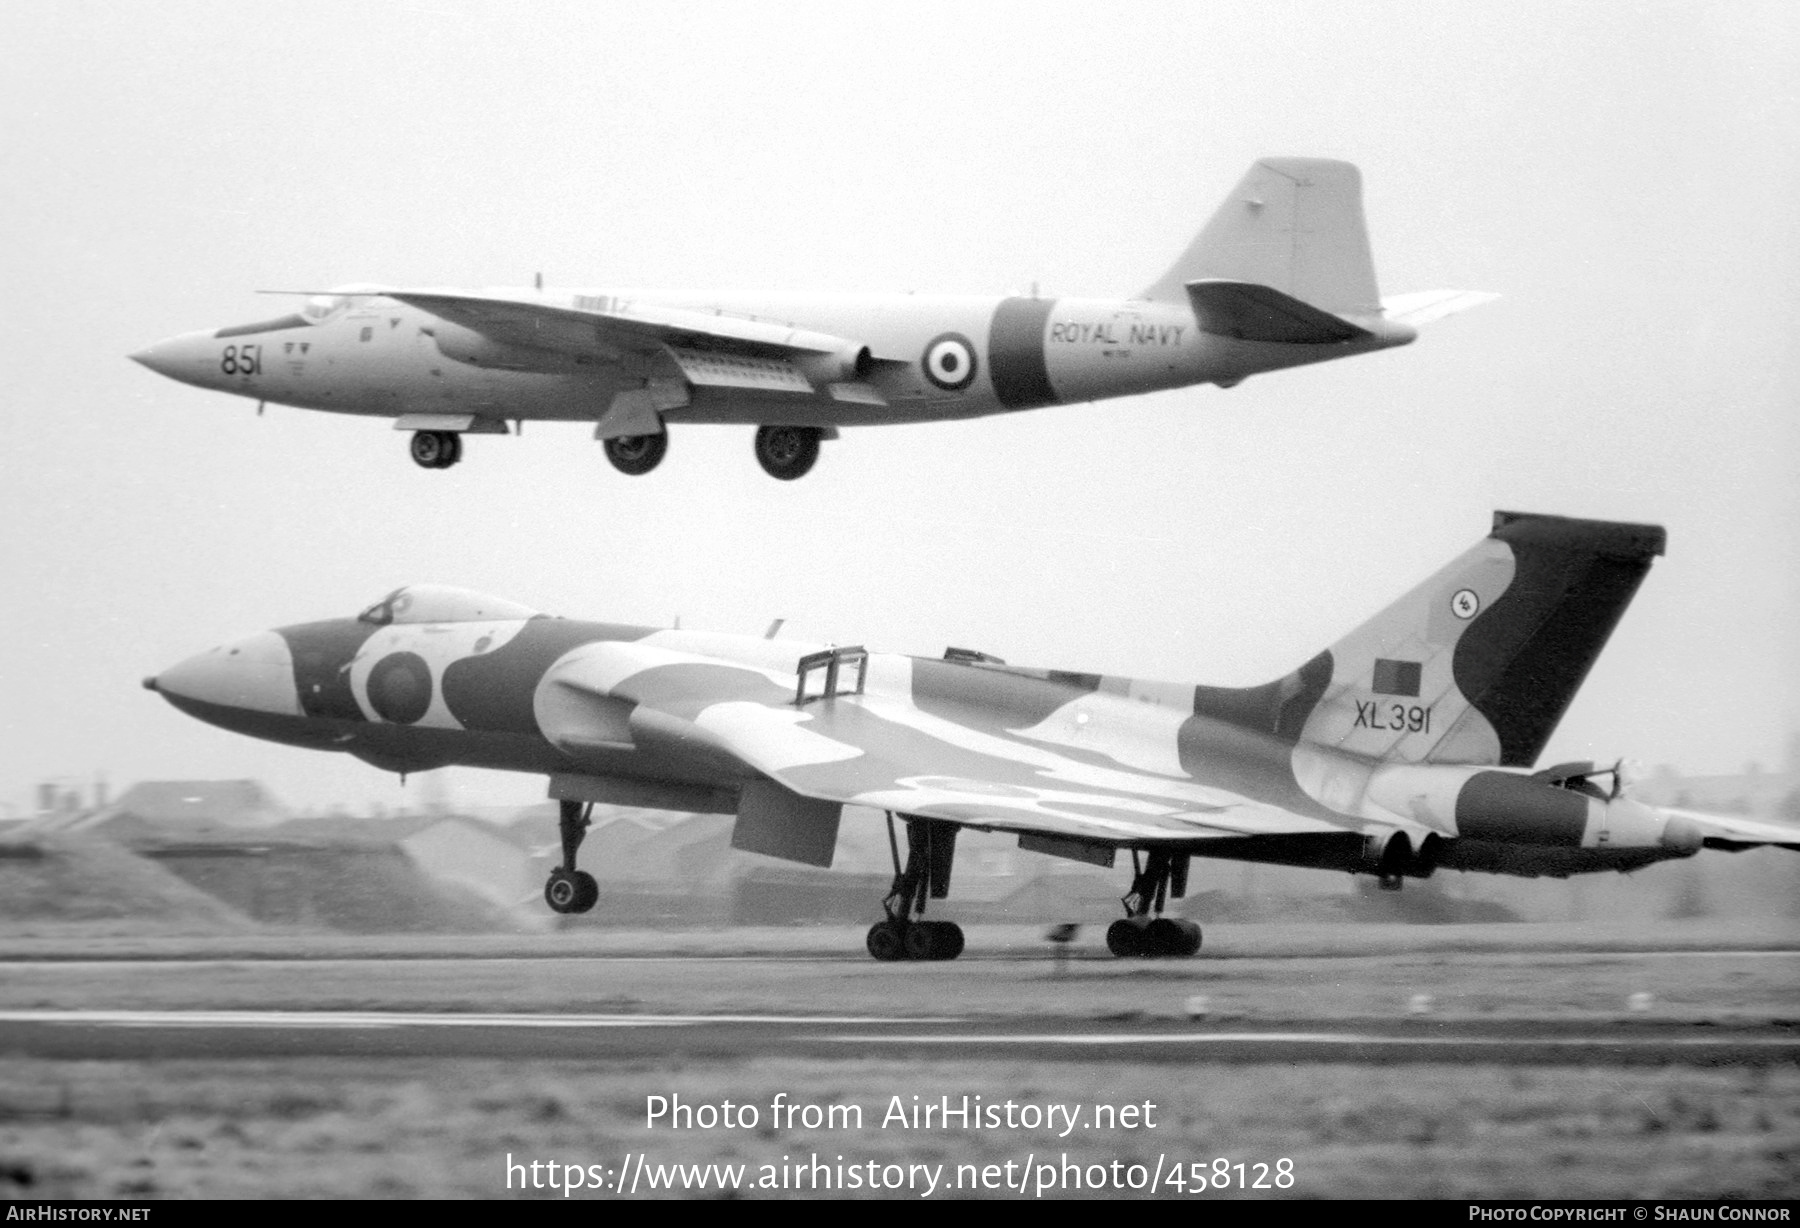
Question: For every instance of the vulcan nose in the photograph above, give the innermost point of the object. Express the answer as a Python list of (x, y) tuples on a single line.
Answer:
[(254, 675)]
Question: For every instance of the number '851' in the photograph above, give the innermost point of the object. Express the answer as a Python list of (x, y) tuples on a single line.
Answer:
[(241, 360)]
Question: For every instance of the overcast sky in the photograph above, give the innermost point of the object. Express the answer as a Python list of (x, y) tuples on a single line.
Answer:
[(1626, 175)]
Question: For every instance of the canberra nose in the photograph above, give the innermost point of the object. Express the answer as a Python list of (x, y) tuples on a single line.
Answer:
[(192, 358), (254, 674)]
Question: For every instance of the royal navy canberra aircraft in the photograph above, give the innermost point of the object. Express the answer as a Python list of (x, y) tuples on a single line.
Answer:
[(1406, 747), (1280, 277)]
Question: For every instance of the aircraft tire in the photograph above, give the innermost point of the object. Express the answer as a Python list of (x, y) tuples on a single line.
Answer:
[(637, 454), (1190, 939), (948, 942), (436, 449), (920, 941), (564, 891), (587, 892), (1165, 936), (1125, 938), (885, 942), (787, 452)]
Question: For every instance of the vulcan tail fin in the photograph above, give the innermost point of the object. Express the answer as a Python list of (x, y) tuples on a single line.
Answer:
[(1478, 664), (1294, 225)]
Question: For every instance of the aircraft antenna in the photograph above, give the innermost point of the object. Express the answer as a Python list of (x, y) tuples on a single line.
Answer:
[(537, 280)]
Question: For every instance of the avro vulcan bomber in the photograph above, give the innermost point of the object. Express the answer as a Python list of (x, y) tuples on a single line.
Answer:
[(1406, 748), (1280, 277)]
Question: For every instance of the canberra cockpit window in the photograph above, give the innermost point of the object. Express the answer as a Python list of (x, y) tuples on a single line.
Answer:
[(439, 603), (292, 320), (322, 307)]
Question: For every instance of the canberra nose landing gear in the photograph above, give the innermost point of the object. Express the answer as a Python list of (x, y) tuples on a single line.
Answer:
[(930, 849), (436, 449), (1159, 876), (571, 890)]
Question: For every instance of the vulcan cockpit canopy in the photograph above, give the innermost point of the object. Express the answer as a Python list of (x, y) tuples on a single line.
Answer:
[(440, 603)]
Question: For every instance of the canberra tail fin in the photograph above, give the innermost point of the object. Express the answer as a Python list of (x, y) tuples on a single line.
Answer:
[(1294, 225), (1478, 664)]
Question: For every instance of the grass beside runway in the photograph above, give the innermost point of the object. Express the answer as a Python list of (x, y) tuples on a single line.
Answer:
[(422, 1128)]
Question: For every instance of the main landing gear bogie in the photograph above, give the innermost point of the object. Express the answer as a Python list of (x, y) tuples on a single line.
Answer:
[(1138, 938), (894, 940), (436, 449), (905, 934), (1143, 932)]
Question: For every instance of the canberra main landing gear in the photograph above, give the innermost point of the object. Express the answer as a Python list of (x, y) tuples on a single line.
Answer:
[(436, 449), (635, 454), (1158, 876), (787, 452), (569, 889), (930, 849)]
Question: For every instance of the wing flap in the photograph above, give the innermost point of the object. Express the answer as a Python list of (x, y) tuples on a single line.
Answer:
[(856, 392), (468, 424)]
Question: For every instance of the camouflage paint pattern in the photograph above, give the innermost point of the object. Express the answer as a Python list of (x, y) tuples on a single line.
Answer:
[(1404, 741)]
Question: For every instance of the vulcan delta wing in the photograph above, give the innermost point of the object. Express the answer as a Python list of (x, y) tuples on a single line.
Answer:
[(1405, 748), (1280, 277)]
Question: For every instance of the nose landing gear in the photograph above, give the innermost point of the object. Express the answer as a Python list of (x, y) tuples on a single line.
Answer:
[(570, 890), (930, 850), (1139, 934)]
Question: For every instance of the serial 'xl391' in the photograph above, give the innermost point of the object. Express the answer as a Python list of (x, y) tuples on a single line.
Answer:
[(1404, 748), (1280, 277)]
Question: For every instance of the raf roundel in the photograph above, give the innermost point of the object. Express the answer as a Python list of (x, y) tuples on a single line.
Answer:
[(400, 687), (1465, 604), (949, 362)]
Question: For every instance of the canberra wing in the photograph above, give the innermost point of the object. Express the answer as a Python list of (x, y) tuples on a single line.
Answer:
[(710, 349)]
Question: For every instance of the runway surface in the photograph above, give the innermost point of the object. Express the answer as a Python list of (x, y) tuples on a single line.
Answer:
[(113, 1034), (1494, 995)]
